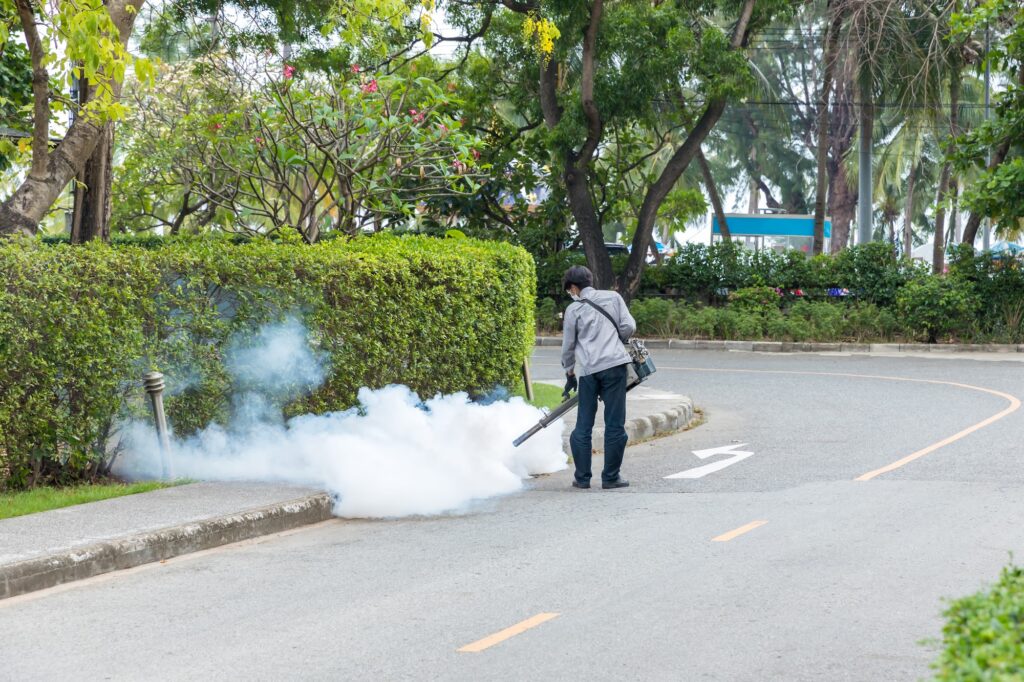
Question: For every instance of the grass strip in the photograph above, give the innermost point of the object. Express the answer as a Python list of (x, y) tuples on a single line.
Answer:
[(46, 498), (544, 395)]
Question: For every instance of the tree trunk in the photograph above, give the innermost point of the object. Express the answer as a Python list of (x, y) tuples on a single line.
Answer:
[(752, 188), (824, 96), (842, 202), (716, 200), (28, 205), (589, 225), (938, 250), (576, 164), (677, 164), (908, 216), (91, 218), (954, 216), (974, 221)]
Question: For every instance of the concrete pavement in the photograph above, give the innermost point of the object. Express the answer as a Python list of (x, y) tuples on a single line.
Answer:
[(777, 566), (42, 550)]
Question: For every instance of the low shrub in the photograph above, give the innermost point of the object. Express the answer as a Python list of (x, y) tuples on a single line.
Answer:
[(755, 299), (79, 326), (934, 307), (547, 316), (872, 272), (868, 322), (999, 285), (983, 633), (655, 316), (825, 321)]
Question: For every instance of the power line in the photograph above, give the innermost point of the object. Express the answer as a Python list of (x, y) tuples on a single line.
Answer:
[(833, 105)]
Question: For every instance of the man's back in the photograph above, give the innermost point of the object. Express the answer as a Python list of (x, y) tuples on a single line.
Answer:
[(591, 343)]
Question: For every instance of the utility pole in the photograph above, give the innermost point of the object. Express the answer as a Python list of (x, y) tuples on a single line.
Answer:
[(864, 200)]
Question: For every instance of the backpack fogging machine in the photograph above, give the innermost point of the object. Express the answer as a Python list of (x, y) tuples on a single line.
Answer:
[(643, 367)]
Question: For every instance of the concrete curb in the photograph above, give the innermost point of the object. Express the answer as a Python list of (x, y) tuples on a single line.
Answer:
[(661, 423), (127, 552), (804, 347)]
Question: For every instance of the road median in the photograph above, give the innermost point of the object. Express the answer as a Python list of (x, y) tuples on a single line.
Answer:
[(813, 347)]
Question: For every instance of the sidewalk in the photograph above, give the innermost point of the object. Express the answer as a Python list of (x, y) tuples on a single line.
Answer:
[(42, 550), (49, 548)]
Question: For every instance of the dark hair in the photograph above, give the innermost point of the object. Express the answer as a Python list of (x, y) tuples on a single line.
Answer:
[(578, 275)]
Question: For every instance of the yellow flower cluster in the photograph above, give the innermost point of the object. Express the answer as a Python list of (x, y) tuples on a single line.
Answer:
[(542, 34), (427, 15)]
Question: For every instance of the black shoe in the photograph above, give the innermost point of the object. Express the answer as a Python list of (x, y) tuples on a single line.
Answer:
[(578, 484), (617, 483)]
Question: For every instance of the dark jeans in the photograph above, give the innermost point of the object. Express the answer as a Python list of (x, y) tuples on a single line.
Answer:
[(610, 385)]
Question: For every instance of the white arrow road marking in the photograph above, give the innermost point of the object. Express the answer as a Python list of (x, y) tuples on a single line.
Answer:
[(701, 471)]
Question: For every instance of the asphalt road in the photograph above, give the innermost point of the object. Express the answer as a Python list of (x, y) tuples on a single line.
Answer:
[(778, 566)]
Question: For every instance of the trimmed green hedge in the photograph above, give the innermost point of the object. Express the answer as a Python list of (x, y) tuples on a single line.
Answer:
[(80, 325), (983, 638), (864, 293), (706, 274)]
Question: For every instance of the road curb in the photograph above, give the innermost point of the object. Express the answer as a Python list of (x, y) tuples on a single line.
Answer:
[(805, 347), (79, 563), (677, 417)]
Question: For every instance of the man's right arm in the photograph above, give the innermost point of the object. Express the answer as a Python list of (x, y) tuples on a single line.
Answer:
[(569, 340)]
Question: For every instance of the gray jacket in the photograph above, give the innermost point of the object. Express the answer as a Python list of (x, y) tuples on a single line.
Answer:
[(590, 343)]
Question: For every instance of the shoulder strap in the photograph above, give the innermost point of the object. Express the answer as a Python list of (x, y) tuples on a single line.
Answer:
[(603, 312)]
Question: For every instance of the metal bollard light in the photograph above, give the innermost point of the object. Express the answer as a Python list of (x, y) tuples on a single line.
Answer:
[(154, 385)]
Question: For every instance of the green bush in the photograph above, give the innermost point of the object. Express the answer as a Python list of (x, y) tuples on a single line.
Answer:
[(983, 633), (999, 285), (551, 268), (655, 316), (872, 272), (933, 307), (78, 327), (753, 313), (824, 320), (547, 315), (755, 299)]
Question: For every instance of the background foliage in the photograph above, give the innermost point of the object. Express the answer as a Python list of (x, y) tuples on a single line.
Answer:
[(864, 293)]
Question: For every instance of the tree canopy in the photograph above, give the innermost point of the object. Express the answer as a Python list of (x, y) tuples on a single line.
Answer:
[(552, 123)]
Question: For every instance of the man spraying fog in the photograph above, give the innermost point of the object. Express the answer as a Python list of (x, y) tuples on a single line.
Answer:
[(596, 325)]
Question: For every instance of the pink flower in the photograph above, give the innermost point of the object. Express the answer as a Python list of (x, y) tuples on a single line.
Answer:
[(370, 87), (356, 68), (417, 116), (444, 129), (459, 166), (476, 155), (258, 140), (289, 71)]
